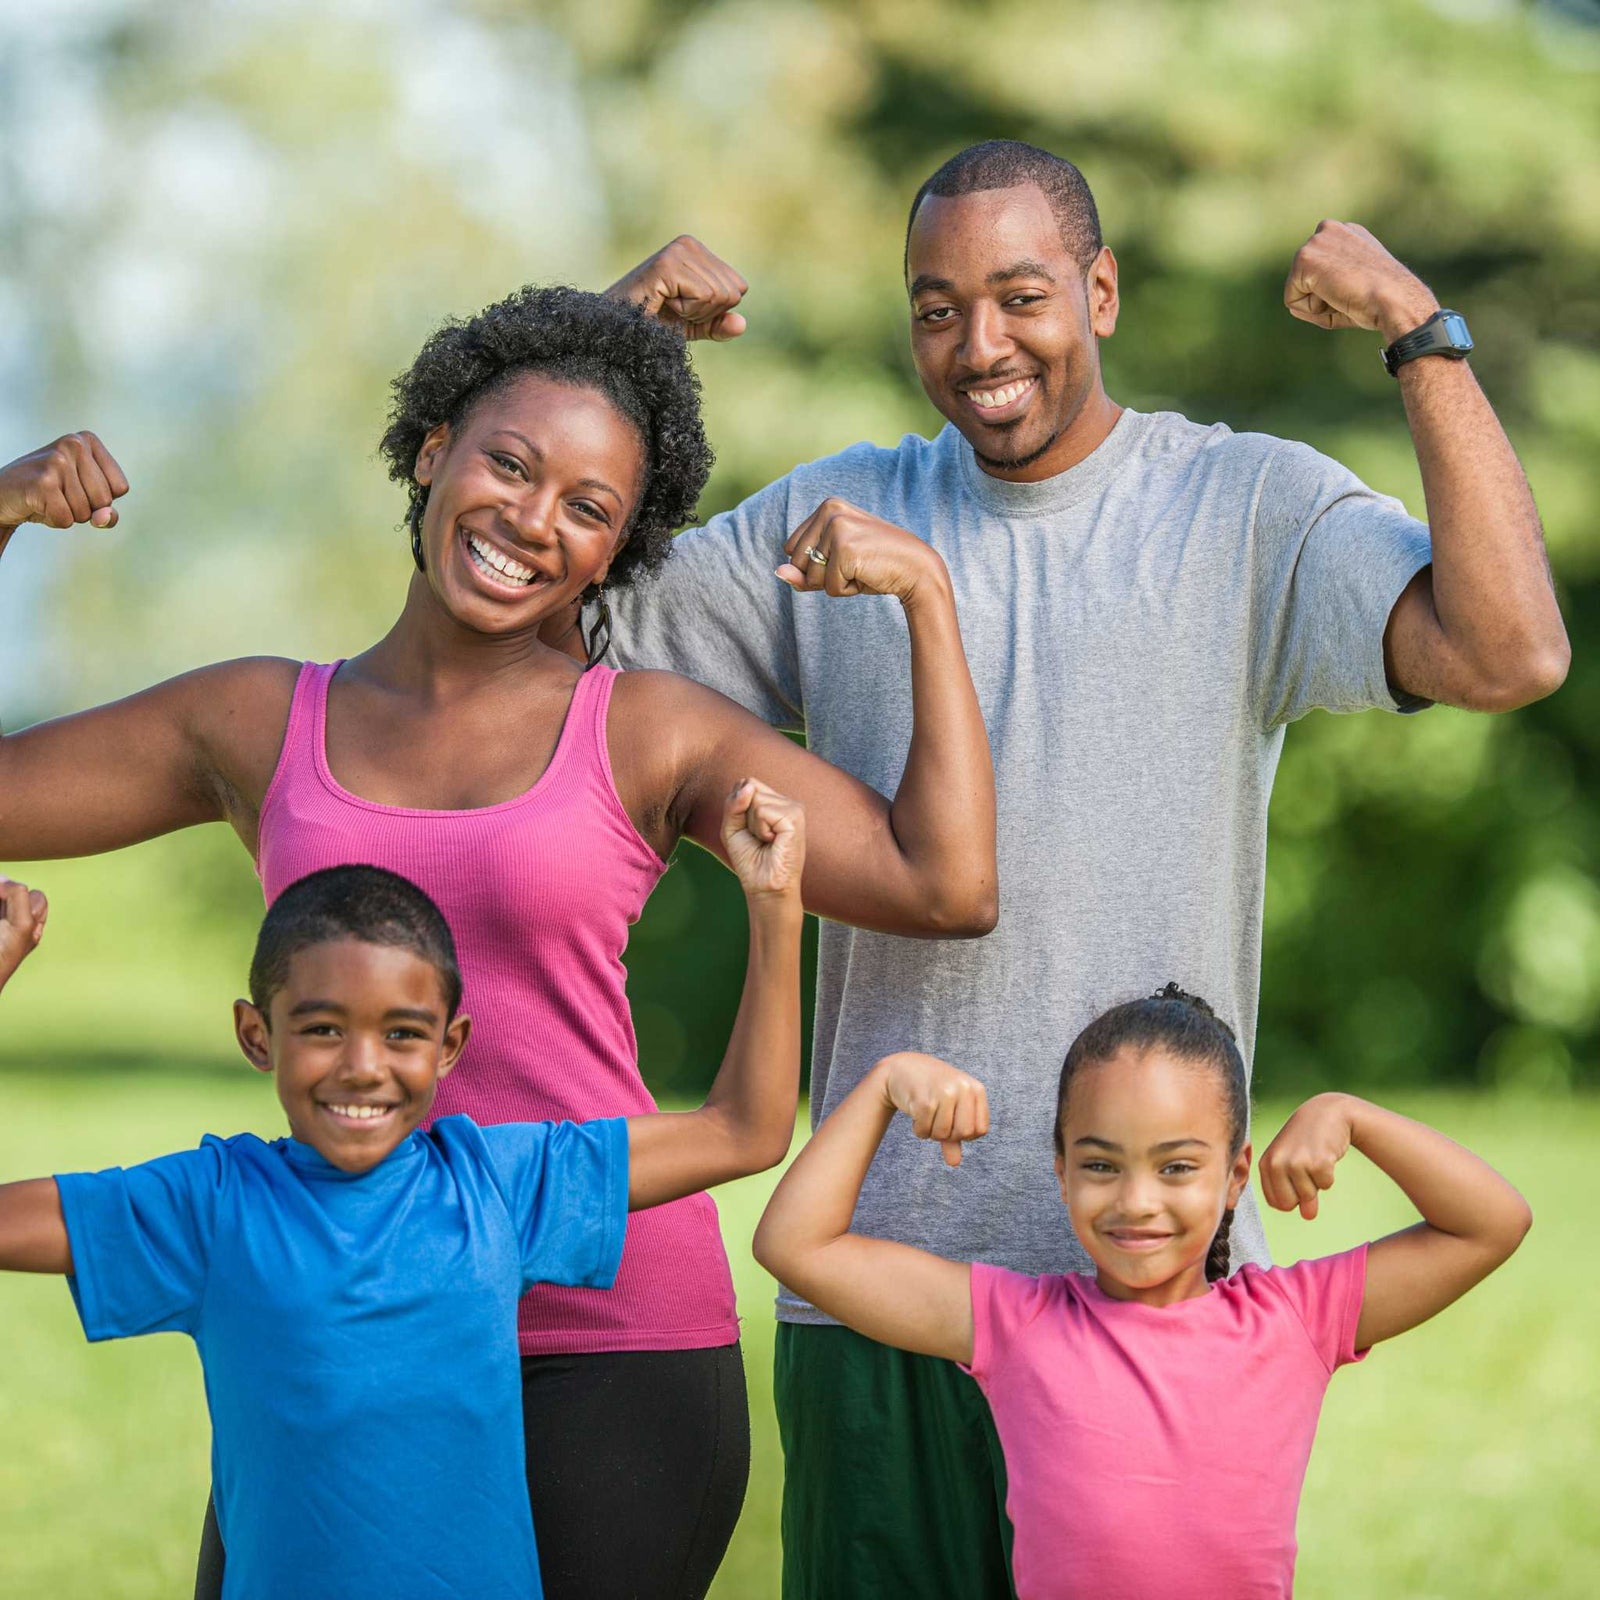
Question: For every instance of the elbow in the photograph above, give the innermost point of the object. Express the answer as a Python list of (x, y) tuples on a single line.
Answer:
[(768, 1250), (1535, 672), (1518, 1221), (961, 916)]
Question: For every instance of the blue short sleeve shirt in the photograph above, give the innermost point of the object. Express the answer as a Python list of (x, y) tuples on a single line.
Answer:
[(358, 1335)]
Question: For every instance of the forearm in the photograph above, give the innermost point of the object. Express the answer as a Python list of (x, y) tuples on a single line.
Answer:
[(943, 813), (747, 1121), (1455, 1191), (33, 1232), (815, 1200), (1497, 639)]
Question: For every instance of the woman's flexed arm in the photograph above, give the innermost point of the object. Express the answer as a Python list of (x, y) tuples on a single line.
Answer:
[(183, 752), (921, 863)]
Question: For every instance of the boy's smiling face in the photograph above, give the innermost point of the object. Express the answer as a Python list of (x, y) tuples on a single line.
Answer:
[(357, 1039)]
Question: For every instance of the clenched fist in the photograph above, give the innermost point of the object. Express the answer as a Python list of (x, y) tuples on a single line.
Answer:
[(943, 1102), (73, 480), (688, 288), (1343, 278), (843, 550)]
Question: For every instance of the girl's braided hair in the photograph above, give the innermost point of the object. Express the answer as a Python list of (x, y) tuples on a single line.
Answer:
[(589, 341), (1182, 1025)]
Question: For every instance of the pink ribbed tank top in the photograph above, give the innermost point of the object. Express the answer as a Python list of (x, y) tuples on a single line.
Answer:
[(540, 892)]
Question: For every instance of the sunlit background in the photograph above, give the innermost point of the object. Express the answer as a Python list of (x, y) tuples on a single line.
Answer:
[(223, 229)]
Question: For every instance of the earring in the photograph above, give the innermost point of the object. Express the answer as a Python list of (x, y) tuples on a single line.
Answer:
[(599, 639), (419, 502)]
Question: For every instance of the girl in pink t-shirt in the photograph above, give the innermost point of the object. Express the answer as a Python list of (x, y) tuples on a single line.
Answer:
[(1157, 1417)]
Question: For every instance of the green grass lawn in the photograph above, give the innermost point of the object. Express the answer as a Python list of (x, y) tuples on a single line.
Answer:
[(1456, 1461)]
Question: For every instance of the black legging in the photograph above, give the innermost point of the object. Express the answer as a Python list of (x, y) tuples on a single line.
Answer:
[(637, 1464)]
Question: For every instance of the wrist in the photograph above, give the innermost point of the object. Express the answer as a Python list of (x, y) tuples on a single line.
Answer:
[(930, 588), (775, 908), (1404, 310), (6, 530)]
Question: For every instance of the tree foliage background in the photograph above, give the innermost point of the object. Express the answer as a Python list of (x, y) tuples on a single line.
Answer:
[(225, 228)]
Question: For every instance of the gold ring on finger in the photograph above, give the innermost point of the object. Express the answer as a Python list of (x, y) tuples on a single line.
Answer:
[(814, 554)]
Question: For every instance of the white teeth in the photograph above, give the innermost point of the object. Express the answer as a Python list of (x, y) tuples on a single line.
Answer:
[(502, 565), (361, 1113), (992, 399)]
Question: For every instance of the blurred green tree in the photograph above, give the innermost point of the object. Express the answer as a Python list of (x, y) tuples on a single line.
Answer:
[(1434, 882)]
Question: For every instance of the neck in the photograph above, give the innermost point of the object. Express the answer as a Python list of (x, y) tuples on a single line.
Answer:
[(1076, 442), (1189, 1284), (428, 652)]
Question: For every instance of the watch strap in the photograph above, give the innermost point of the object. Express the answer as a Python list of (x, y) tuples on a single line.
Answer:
[(1443, 334)]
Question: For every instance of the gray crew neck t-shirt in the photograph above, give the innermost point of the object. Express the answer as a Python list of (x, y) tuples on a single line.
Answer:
[(1140, 629)]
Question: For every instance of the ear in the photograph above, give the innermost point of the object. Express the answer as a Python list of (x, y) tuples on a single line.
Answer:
[(434, 446), (1102, 291), (1061, 1177), (605, 567), (1239, 1178), (255, 1038), (455, 1041)]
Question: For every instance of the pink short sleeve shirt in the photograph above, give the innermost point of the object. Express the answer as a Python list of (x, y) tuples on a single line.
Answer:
[(1160, 1451)]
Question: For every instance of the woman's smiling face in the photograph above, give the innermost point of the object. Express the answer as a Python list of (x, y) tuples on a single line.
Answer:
[(528, 502), (1147, 1171)]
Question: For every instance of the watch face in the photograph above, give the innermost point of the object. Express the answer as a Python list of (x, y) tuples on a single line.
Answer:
[(1455, 329)]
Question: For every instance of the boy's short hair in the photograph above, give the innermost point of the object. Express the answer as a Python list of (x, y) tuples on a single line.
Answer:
[(370, 904)]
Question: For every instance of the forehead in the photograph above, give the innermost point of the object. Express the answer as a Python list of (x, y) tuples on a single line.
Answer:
[(358, 975), (963, 238), (1140, 1098), (570, 420)]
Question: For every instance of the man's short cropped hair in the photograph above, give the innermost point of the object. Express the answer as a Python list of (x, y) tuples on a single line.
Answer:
[(1006, 163), (369, 904)]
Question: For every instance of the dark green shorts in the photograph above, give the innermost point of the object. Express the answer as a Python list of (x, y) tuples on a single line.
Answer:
[(894, 1485)]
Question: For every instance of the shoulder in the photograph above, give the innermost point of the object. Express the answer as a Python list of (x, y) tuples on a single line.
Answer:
[(670, 713), (1022, 1297), (250, 684)]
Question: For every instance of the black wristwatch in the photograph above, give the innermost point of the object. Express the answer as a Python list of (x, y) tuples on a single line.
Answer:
[(1443, 334)]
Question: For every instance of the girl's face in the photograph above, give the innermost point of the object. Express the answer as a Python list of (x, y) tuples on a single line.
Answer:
[(1147, 1172), (527, 503)]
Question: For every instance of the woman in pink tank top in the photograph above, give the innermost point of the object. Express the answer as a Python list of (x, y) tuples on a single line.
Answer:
[(550, 447)]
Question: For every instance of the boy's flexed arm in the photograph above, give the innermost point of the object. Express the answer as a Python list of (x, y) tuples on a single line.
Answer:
[(1472, 1219), (888, 1291), (33, 1236), (747, 1121)]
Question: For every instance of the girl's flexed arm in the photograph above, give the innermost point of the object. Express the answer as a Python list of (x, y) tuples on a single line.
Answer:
[(888, 1291), (747, 1121), (1472, 1219)]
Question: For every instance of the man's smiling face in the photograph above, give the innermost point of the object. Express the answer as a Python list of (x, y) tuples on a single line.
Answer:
[(1004, 325)]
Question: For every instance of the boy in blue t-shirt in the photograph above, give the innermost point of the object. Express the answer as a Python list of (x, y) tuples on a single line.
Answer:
[(352, 1289)]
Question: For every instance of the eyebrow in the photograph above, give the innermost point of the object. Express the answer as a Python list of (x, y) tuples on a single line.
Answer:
[(1165, 1147), (1021, 269), (394, 1013), (926, 283), (533, 450)]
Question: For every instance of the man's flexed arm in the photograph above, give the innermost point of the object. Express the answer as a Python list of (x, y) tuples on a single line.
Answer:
[(1481, 627)]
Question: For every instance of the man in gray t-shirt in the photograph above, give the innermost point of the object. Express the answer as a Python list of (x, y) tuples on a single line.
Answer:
[(1145, 602)]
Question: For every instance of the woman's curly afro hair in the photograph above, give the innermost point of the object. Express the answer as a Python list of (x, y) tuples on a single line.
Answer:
[(577, 338)]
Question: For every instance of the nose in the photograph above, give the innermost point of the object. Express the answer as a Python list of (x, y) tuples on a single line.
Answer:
[(531, 515), (1137, 1197), (986, 343), (361, 1065)]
